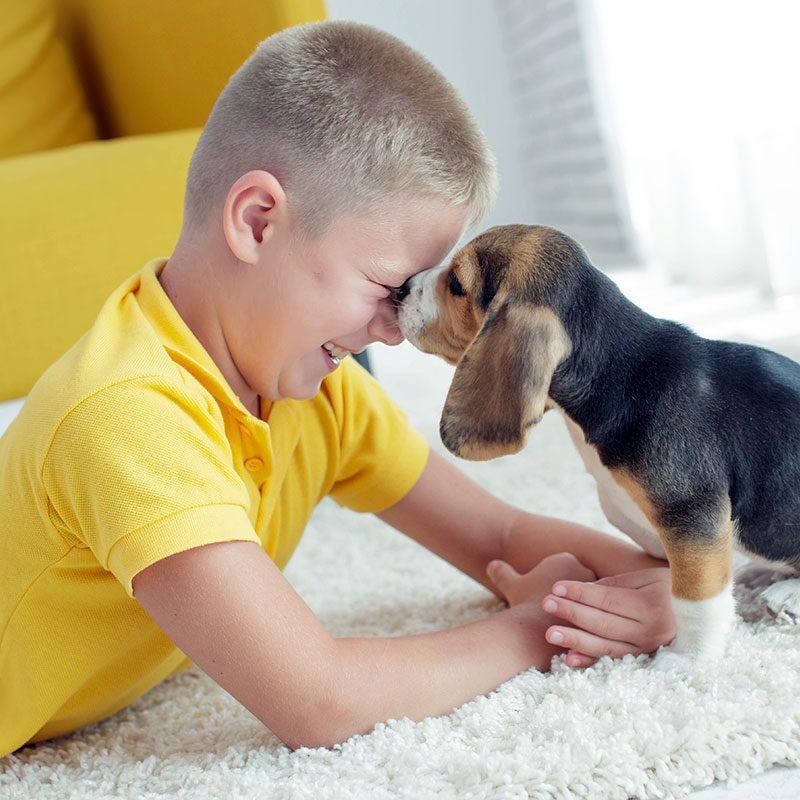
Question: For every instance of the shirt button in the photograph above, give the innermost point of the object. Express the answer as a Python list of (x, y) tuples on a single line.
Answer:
[(254, 464)]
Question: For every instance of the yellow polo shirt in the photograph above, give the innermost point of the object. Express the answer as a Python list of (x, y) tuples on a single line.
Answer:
[(133, 447)]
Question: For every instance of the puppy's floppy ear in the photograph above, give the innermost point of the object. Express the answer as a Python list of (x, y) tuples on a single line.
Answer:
[(501, 383)]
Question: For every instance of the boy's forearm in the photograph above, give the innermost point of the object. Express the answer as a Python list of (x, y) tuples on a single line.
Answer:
[(431, 674), (531, 537), (259, 640), (460, 521)]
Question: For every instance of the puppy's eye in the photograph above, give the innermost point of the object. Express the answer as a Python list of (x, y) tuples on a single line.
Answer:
[(454, 285)]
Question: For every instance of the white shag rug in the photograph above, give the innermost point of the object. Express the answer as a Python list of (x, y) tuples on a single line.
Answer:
[(616, 730)]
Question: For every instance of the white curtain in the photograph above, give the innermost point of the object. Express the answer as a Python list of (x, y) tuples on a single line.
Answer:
[(704, 103), (566, 153)]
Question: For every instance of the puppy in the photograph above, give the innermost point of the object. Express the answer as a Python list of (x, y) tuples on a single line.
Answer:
[(694, 443)]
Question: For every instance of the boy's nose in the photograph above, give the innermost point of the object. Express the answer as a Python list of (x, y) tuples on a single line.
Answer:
[(389, 333), (384, 325)]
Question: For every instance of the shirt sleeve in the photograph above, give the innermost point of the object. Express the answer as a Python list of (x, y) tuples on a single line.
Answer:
[(142, 470), (381, 454)]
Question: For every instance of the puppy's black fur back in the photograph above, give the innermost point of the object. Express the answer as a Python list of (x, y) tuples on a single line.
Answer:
[(697, 420)]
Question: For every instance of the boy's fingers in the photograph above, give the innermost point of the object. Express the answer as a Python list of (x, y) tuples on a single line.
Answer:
[(578, 660), (630, 580), (621, 601), (607, 625), (588, 644), (501, 572)]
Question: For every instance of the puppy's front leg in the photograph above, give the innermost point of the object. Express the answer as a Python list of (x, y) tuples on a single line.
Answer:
[(697, 534), (702, 592)]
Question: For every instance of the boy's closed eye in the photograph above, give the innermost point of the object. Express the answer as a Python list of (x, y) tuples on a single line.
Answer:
[(391, 291)]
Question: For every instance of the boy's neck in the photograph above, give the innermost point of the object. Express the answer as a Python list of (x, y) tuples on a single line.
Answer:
[(185, 279)]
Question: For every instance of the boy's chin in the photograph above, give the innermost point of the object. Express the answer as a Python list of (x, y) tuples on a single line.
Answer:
[(299, 385), (308, 393)]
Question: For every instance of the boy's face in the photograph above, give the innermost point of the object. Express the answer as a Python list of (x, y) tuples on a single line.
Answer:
[(304, 294)]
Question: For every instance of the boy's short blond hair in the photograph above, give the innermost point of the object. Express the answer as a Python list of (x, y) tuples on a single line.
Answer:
[(347, 117)]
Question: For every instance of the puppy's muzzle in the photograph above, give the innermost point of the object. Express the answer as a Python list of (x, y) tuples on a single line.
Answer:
[(417, 305)]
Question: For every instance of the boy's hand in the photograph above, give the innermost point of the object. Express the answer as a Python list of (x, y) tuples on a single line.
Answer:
[(532, 586), (627, 613)]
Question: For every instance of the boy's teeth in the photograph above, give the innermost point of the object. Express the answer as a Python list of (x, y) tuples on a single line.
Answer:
[(336, 352)]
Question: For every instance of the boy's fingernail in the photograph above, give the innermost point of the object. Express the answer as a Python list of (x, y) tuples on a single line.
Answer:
[(556, 637), (550, 605), (560, 590)]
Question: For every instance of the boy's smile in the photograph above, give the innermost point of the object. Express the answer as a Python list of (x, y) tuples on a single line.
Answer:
[(334, 354)]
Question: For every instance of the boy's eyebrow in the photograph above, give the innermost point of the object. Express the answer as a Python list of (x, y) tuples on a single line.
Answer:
[(385, 265)]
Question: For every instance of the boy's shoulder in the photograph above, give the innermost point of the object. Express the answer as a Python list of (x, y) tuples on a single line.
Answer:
[(125, 351)]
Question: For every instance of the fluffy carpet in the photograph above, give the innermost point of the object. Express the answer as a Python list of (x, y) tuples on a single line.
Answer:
[(616, 730)]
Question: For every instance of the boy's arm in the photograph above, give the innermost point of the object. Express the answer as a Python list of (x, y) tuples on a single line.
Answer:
[(468, 526), (230, 609)]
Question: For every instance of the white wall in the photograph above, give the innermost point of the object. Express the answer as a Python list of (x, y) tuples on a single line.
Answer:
[(462, 39)]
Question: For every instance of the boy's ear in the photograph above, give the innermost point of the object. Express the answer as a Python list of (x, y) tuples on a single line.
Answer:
[(501, 383), (254, 204)]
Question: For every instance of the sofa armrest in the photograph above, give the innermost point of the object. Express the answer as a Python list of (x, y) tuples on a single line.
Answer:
[(74, 223)]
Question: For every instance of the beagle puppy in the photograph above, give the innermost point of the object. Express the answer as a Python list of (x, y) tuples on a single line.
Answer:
[(694, 443)]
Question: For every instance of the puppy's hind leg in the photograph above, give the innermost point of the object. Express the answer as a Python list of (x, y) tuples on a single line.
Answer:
[(779, 583), (756, 576), (781, 600)]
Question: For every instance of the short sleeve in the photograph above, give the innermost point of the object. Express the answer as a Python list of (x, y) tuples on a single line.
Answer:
[(381, 454), (142, 470)]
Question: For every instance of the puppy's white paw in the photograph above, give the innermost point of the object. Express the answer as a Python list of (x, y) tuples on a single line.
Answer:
[(702, 626), (781, 600), (671, 658), (667, 659)]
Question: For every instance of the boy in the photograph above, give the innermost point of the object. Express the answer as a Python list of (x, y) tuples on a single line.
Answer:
[(161, 472)]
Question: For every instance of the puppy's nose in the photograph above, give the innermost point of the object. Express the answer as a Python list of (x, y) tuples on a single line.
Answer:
[(402, 292)]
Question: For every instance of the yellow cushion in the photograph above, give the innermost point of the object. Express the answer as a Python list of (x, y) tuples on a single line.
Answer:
[(74, 223), (41, 101), (157, 65)]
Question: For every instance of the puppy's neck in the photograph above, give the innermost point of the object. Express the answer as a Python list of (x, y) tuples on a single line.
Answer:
[(611, 337)]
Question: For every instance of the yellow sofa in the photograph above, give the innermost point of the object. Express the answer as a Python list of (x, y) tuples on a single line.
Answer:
[(101, 102)]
